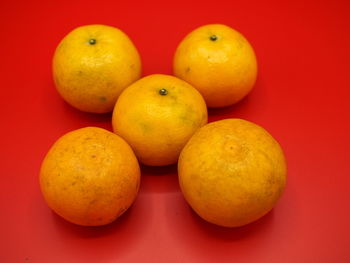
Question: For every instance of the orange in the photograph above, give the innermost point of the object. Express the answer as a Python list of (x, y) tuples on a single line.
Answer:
[(92, 65), (219, 62), (157, 115), (90, 176), (232, 172)]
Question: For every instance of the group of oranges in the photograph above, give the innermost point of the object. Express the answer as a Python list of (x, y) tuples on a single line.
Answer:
[(231, 172)]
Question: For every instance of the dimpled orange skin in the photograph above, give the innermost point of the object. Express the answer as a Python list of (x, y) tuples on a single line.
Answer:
[(219, 62), (158, 126), (232, 172), (92, 65), (90, 176)]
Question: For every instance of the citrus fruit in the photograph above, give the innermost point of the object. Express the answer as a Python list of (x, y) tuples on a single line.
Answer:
[(232, 172), (219, 62), (92, 65), (157, 115), (90, 176)]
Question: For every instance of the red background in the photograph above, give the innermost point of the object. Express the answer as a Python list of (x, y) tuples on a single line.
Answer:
[(302, 97)]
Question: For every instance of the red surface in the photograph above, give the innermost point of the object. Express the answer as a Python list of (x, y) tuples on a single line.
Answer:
[(301, 97)]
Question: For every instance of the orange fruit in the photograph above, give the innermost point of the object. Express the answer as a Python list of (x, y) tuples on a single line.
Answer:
[(232, 172), (92, 65), (219, 62), (90, 176), (157, 115)]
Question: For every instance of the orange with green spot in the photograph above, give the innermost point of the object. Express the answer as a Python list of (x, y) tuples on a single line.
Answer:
[(157, 115)]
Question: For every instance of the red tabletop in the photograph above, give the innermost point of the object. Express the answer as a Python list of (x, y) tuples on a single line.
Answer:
[(302, 97)]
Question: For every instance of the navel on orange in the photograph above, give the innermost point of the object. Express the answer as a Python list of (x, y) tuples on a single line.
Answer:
[(90, 176), (219, 62), (157, 115), (232, 172), (92, 65)]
